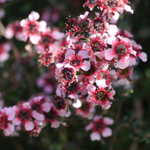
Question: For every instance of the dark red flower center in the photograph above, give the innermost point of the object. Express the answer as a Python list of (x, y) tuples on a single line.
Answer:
[(36, 107), (48, 57), (72, 87), (123, 71), (67, 74), (96, 46), (103, 75), (77, 50), (3, 122), (72, 25), (100, 96), (17, 28), (99, 126), (50, 115), (59, 102), (24, 115), (112, 3), (50, 81), (75, 62), (61, 57), (46, 40), (93, 2), (32, 28), (84, 107), (98, 25), (121, 49)]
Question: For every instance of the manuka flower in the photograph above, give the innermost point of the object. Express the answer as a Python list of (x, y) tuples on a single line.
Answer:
[(99, 127), (31, 27), (6, 117)]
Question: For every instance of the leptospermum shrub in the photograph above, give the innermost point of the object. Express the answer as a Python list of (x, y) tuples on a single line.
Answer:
[(86, 63)]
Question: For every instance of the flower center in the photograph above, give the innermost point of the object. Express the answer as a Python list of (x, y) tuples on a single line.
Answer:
[(75, 62), (93, 1), (61, 57), (72, 25), (48, 57), (67, 74), (83, 24), (46, 40), (99, 126), (112, 3), (3, 121), (35, 107), (32, 28), (77, 50), (24, 114), (124, 71), (59, 102), (103, 75), (50, 81), (50, 115), (121, 49), (98, 25), (84, 107), (96, 46), (100, 96), (17, 28), (71, 87)]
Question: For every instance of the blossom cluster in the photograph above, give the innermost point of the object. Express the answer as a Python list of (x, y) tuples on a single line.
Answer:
[(31, 116), (85, 63)]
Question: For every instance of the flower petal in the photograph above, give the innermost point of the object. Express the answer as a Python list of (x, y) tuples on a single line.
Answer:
[(109, 54), (143, 56), (123, 63), (101, 83), (29, 125), (10, 113), (95, 136), (86, 65), (33, 16), (107, 132), (16, 121), (46, 107), (83, 54), (38, 116), (108, 121), (89, 126), (9, 130), (55, 124)]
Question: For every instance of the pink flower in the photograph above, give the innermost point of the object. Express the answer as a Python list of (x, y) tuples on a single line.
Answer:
[(86, 110), (99, 127), (39, 105), (23, 116), (4, 49), (101, 95), (31, 27), (47, 82), (51, 117), (122, 51), (6, 117), (14, 29)]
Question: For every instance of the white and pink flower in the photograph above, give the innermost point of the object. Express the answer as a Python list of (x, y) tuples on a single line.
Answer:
[(31, 27), (6, 117), (99, 127), (4, 51)]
